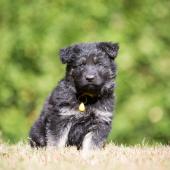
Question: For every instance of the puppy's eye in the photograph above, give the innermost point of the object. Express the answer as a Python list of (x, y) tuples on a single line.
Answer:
[(95, 60)]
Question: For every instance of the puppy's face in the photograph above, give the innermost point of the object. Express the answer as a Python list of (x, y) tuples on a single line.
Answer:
[(91, 65)]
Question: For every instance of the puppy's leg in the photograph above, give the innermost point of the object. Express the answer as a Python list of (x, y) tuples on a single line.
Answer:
[(59, 135), (38, 132), (96, 139)]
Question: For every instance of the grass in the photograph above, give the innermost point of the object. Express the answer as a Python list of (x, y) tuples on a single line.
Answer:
[(22, 157)]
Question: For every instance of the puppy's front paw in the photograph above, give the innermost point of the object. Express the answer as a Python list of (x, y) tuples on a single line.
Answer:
[(38, 143)]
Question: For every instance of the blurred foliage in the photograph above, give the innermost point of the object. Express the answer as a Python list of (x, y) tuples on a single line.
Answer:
[(31, 33)]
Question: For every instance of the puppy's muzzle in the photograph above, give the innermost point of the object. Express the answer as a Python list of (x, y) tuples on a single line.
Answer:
[(90, 77)]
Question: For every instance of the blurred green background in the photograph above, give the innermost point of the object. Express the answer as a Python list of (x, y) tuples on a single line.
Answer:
[(32, 32)]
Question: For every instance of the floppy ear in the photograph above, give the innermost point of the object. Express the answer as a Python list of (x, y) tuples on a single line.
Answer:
[(110, 48), (65, 54)]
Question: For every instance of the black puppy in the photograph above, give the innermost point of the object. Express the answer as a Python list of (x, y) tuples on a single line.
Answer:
[(79, 111)]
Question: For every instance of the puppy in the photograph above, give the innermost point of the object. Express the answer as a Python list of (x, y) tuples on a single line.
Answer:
[(79, 110)]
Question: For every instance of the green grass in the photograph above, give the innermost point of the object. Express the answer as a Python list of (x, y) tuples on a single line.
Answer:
[(22, 157)]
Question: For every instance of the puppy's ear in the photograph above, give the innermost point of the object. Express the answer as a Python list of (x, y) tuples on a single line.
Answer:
[(67, 54), (110, 48)]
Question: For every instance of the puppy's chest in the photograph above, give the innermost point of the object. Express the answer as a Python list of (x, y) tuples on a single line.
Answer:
[(69, 126), (87, 112)]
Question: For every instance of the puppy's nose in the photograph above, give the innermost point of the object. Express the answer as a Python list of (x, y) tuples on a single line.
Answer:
[(90, 77)]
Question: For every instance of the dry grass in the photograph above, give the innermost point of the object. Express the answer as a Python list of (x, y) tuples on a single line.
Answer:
[(22, 157)]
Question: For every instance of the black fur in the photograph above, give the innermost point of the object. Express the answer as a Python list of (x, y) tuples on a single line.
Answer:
[(90, 75)]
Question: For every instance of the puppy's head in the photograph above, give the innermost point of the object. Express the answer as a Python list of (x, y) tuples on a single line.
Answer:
[(91, 66)]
